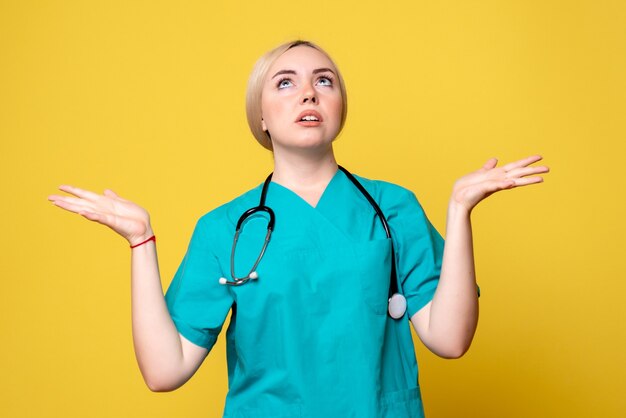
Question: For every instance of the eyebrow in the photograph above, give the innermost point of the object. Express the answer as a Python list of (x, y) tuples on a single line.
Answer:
[(317, 70)]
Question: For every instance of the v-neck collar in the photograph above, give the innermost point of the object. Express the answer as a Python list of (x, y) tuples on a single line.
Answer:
[(323, 196)]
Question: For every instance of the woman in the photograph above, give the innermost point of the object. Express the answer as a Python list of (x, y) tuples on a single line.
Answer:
[(310, 334)]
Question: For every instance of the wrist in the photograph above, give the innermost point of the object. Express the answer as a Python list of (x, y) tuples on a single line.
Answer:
[(152, 238), (456, 209), (142, 239)]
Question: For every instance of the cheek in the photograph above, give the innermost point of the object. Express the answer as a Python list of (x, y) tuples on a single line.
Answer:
[(271, 110), (337, 107)]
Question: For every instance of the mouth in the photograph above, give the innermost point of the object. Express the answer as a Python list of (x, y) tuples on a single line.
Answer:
[(309, 118)]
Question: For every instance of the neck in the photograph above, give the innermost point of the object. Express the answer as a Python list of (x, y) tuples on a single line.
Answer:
[(303, 170)]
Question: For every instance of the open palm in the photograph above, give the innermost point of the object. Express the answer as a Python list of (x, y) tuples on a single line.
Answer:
[(123, 216), (470, 189)]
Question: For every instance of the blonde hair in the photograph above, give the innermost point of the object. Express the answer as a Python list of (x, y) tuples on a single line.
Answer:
[(255, 89)]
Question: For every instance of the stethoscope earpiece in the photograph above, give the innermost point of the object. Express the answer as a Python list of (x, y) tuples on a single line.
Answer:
[(239, 281)]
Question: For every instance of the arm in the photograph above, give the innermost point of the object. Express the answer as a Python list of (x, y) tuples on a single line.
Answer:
[(446, 325), (166, 359)]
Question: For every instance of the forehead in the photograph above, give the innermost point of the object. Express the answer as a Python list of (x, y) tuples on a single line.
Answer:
[(301, 58)]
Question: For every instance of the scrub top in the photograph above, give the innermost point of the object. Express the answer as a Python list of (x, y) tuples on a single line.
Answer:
[(311, 336)]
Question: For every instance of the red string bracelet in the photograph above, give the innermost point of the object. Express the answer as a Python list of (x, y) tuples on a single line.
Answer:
[(152, 238)]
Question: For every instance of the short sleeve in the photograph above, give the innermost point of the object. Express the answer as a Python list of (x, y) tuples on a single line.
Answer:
[(419, 254), (197, 303)]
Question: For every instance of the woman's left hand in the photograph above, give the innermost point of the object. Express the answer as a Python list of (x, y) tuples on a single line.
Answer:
[(469, 190)]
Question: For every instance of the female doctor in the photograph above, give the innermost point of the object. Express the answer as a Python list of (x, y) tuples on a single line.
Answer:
[(312, 332)]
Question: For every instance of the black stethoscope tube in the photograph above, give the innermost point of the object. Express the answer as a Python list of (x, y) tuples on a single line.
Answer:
[(397, 302)]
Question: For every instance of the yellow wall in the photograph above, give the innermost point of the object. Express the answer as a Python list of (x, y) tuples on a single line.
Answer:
[(147, 98)]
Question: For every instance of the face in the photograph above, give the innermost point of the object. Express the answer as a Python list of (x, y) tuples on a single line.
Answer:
[(301, 80)]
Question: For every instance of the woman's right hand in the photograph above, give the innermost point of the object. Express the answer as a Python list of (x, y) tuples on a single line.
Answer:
[(123, 216)]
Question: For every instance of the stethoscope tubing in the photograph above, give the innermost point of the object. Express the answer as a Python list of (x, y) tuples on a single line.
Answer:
[(394, 295)]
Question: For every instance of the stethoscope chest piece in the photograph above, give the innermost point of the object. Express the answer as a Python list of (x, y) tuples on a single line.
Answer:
[(397, 306)]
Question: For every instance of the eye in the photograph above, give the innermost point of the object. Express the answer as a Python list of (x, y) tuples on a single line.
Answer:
[(326, 80), (282, 85)]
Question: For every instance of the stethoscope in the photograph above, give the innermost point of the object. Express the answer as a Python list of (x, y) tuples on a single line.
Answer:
[(396, 302)]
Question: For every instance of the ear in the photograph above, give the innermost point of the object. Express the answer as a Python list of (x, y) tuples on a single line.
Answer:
[(263, 124)]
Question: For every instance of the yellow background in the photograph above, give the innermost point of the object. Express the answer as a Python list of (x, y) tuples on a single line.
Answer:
[(147, 98)]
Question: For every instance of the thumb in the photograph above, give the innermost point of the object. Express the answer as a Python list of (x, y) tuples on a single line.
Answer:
[(491, 163), (111, 193)]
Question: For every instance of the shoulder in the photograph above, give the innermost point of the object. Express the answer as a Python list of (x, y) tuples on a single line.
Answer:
[(402, 210), (227, 214), (389, 196)]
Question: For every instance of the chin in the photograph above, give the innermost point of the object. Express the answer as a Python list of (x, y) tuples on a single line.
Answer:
[(312, 144), (306, 142)]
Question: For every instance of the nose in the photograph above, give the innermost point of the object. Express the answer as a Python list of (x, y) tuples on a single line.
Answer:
[(308, 95)]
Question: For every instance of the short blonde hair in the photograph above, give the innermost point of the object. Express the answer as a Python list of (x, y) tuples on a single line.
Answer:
[(255, 89)]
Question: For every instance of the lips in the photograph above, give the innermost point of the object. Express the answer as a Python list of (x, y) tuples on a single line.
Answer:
[(309, 113)]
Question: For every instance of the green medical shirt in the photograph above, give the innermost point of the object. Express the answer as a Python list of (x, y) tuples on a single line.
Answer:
[(311, 337)]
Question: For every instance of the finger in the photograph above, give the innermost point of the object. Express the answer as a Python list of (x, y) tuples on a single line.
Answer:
[(112, 194), (75, 201), (522, 163), (492, 186), (501, 185), (526, 171), (72, 207), (54, 197), (491, 163), (85, 194), (89, 215), (528, 180)]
